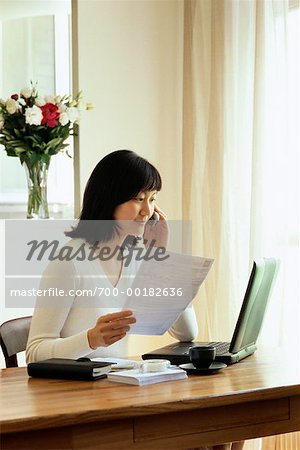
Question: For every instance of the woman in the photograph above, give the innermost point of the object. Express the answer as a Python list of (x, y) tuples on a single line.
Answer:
[(121, 194)]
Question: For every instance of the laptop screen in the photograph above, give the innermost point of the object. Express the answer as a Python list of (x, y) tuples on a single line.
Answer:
[(254, 305)]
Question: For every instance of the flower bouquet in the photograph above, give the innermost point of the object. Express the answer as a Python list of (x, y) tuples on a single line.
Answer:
[(34, 128)]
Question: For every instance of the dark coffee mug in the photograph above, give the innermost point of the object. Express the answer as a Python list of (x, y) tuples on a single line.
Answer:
[(202, 356)]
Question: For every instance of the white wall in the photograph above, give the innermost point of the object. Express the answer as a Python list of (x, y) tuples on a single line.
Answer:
[(130, 66)]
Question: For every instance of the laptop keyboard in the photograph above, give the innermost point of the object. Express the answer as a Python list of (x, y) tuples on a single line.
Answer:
[(221, 347)]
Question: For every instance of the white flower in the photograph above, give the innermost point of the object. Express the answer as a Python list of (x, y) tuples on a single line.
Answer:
[(33, 115), (39, 101), (64, 118), (72, 114), (1, 121), (62, 108), (2, 101), (81, 106), (21, 101), (26, 92), (50, 99), (11, 106), (57, 99)]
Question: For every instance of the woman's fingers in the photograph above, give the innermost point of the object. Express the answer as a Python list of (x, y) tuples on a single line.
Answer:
[(115, 321), (117, 326), (117, 315), (116, 339), (162, 214), (112, 336), (113, 333), (111, 328)]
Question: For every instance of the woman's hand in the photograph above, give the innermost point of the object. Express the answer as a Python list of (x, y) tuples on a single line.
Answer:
[(110, 329), (159, 232)]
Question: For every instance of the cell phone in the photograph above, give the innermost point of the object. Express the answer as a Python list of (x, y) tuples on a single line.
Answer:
[(153, 219)]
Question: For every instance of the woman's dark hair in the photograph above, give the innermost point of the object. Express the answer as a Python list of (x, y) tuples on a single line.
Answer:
[(117, 178)]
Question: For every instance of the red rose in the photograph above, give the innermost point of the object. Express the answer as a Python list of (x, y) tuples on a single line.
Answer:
[(50, 114), (14, 96)]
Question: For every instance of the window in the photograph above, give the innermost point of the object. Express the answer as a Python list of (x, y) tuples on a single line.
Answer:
[(281, 199), (40, 45)]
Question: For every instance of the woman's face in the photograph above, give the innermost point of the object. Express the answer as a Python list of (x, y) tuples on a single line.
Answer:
[(135, 213)]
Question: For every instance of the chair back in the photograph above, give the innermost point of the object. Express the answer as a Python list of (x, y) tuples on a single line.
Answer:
[(13, 338)]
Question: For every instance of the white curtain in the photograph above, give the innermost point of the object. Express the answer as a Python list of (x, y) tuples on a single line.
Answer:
[(240, 159)]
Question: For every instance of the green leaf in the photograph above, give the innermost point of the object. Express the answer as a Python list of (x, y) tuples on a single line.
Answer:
[(35, 139), (19, 150), (33, 158), (17, 133), (46, 158), (11, 153), (17, 143), (54, 142)]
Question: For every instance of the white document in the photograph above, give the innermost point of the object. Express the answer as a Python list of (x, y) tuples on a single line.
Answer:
[(162, 290), (119, 363), (141, 379)]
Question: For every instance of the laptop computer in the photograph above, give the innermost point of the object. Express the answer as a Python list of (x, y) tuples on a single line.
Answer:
[(248, 326)]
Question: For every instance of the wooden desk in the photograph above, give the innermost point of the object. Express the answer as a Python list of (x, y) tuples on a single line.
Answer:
[(256, 397)]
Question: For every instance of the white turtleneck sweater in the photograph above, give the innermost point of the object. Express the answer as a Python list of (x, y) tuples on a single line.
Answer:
[(60, 323)]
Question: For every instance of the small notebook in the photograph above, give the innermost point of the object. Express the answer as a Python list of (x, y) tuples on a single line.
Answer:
[(138, 378), (69, 369)]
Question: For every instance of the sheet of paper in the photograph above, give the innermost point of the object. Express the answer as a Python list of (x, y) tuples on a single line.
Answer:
[(119, 363), (140, 379), (162, 290)]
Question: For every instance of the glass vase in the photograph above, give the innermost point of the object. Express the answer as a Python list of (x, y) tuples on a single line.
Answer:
[(36, 174)]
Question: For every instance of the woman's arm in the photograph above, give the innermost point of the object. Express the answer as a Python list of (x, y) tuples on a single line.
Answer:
[(185, 328), (50, 315)]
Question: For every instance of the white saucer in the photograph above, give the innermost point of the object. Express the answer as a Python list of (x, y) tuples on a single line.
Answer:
[(213, 368)]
